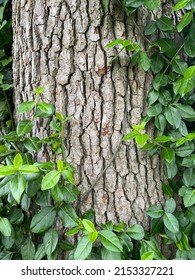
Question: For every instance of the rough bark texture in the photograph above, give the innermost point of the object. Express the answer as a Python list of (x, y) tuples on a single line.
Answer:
[(60, 45)]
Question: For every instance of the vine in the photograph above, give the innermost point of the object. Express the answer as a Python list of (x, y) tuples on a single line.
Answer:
[(34, 196)]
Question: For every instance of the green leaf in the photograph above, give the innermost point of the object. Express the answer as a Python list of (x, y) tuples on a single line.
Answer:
[(189, 46), (32, 144), (160, 122), (130, 135), (136, 232), (70, 193), (28, 249), (167, 190), (150, 246), (17, 186), (73, 231), (93, 236), (154, 110), (170, 205), (39, 90), (168, 154), (189, 72), (155, 212), (167, 46), (141, 139), (50, 180), (159, 81), (179, 65), (134, 3), (180, 5), (157, 63), (185, 150), (5, 226), (150, 27), (163, 139), (88, 225), (170, 222), (165, 23), (152, 97), (44, 110), (109, 255), (186, 111), (185, 20), (68, 215), (189, 198), (7, 170), (152, 4), (50, 241), (24, 127), (173, 116), (17, 161), (144, 61), (189, 177), (83, 248), (110, 241), (26, 107), (28, 169), (147, 256), (68, 175), (43, 219), (40, 253)]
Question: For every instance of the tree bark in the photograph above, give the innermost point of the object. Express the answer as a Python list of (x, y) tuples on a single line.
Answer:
[(60, 45)]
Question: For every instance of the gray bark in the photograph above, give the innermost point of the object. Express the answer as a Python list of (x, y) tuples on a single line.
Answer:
[(60, 45)]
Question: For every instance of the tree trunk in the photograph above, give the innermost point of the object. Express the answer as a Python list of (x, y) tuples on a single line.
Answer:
[(60, 45)]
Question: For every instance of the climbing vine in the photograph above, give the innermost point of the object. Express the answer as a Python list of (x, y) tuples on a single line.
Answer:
[(35, 196)]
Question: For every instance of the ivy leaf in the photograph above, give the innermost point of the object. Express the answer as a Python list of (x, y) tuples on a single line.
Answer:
[(110, 241), (157, 63), (147, 256), (50, 180), (167, 46), (24, 127), (168, 154), (50, 241), (165, 23), (32, 144), (5, 226), (155, 212), (109, 255), (152, 4), (88, 225), (28, 249), (25, 107), (173, 116), (179, 65), (136, 232), (17, 186), (7, 170), (185, 20), (134, 3), (180, 5), (144, 61), (44, 110), (154, 110), (159, 81), (43, 219), (189, 46), (150, 27), (189, 198), (141, 139), (83, 248), (68, 215), (17, 161), (189, 177), (163, 139), (170, 222), (170, 205)]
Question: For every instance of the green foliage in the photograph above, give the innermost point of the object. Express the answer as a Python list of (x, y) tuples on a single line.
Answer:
[(35, 195)]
